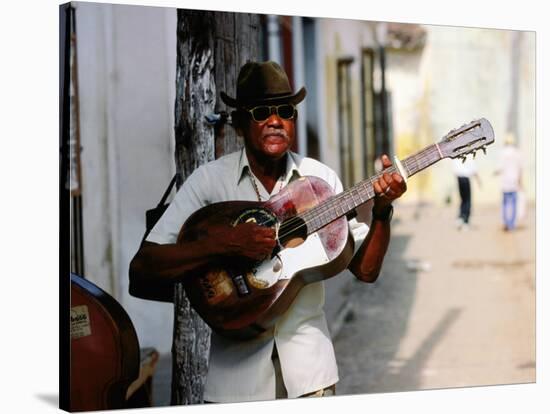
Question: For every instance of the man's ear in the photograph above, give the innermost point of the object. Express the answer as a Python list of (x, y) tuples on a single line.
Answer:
[(239, 122)]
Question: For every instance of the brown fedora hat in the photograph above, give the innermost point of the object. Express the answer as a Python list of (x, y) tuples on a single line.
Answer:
[(263, 83)]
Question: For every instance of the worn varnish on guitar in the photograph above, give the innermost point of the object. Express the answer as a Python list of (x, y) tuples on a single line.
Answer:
[(239, 298), (105, 356)]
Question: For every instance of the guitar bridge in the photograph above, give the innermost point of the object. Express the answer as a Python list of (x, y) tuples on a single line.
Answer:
[(240, 284)]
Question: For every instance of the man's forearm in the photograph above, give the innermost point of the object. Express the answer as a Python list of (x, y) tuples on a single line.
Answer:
[(367, 262), (156, 267)]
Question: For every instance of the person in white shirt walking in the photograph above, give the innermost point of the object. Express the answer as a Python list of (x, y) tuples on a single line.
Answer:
[(510, 170)]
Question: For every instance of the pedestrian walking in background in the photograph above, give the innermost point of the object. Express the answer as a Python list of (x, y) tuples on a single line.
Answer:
[(464, 171), (510, 170)]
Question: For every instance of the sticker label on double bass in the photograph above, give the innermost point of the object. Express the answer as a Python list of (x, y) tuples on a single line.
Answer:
[(80, 322)]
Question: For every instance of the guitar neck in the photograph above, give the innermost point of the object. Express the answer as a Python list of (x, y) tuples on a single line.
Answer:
[(345, 202)]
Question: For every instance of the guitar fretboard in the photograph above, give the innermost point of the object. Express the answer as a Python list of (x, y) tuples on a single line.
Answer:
[(345, 202)]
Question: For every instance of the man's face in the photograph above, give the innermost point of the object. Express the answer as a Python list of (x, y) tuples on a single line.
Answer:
[(270, 138)]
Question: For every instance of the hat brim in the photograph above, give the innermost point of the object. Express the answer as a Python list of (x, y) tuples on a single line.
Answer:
[(273, 100)]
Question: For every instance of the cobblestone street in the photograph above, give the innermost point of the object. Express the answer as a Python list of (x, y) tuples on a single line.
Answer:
[(452, 308)]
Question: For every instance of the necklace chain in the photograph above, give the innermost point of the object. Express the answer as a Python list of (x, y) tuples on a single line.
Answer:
[(255, 185)]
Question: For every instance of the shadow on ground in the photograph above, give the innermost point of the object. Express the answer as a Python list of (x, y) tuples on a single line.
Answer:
[(50, 399), (368, 342)]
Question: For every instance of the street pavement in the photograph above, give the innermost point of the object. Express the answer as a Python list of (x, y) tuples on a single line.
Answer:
[(452, 308)]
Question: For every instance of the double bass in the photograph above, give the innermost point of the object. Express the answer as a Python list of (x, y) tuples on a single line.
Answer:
[(105, 354)]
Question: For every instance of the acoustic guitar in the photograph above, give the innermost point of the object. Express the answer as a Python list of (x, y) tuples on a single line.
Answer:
[(239, 298)]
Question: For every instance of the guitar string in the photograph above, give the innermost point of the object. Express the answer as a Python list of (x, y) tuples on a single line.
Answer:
[(364, 186), (422, 159), (326, 206), (419, 159)]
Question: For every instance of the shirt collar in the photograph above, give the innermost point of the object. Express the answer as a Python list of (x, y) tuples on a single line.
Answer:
[(292, 161)]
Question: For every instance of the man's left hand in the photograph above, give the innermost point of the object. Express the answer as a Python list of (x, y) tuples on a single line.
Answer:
[(388, 187)]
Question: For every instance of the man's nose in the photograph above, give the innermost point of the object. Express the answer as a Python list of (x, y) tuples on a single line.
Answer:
[(274, 120)]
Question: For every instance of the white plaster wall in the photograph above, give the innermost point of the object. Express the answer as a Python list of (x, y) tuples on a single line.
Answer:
[(127, 60), (460, 75)]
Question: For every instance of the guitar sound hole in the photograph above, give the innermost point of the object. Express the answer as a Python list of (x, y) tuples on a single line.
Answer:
[(257, 215), (293, 232)]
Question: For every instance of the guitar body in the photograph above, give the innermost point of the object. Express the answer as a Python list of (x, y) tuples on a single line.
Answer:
[(239, 298)]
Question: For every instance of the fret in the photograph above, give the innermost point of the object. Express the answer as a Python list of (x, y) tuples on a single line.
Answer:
[(425, 162), (360, 195), (371, 182), (417, 166), (420, 161), (368, 189), (346, 200), (334, 213), (408, 163), (364, 190), (355, 199), (406, 169), (316, 222)]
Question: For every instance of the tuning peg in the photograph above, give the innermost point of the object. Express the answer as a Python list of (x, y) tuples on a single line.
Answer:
[(463, 159), (484, 150), (474, 155)]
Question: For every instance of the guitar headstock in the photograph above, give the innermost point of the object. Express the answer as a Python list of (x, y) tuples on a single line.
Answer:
[(467, 139)]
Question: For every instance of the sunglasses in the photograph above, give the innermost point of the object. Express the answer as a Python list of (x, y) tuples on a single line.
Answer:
[(261, 113)]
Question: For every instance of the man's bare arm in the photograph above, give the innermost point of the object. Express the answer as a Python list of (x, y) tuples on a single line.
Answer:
[(156, 267), (367, 262)]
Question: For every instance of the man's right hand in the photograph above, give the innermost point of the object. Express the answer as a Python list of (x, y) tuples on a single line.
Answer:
[(247, 240)]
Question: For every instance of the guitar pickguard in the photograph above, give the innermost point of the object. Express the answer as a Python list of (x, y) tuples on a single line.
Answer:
[(289, 261)]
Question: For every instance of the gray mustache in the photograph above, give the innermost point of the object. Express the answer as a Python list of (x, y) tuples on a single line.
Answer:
[(277, 133)]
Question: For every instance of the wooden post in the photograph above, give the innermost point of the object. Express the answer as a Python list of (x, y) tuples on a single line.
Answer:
[(212, 46), (236, 42), (515, 54)]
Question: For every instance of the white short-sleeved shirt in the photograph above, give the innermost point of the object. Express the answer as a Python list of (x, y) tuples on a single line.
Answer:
[(243, 370), (466, 168), (510, 168)]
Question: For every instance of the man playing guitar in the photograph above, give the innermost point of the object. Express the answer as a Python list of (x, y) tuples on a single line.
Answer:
[(295, 357)]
